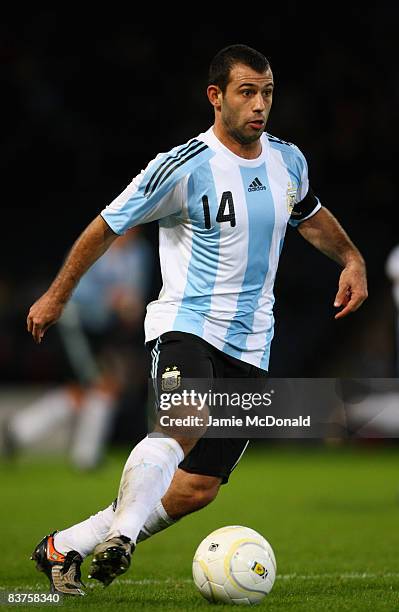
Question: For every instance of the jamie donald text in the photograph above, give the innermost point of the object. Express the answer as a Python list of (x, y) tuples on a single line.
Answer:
[(233, 421)]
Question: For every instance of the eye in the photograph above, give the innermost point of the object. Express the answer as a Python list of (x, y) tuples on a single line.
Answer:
[(247, 92)]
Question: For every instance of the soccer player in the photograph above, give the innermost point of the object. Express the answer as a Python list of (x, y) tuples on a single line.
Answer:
[(223, 201)]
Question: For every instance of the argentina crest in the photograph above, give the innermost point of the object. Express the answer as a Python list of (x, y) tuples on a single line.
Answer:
[(171, 379), (291, 196)]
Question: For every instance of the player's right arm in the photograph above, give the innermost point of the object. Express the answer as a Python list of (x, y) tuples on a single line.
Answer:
[(152, 195), (90, 245)]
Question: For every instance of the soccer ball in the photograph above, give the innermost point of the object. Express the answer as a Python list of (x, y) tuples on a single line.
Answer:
[(234, 565)]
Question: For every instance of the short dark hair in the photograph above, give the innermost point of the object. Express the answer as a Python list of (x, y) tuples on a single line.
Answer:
[(224, 60)]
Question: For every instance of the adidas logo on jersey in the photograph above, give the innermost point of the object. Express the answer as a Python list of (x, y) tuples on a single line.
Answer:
[(256, 185)]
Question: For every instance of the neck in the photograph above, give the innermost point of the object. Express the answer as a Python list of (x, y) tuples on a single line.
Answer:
[(247, 151)]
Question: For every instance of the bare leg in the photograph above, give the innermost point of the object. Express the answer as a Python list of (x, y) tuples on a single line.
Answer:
[(189, 492)]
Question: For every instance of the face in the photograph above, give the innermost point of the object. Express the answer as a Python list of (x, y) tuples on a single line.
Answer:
[(246, 103)]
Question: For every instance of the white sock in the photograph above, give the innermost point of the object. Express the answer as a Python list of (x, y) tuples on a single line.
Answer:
[(146, 478), (92, 429), (85, 536), (158, 520)]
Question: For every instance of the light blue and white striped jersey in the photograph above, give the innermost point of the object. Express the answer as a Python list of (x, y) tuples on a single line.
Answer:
[(222, 221)]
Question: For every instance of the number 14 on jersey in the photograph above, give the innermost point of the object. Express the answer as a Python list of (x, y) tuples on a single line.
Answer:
[(226, 202)]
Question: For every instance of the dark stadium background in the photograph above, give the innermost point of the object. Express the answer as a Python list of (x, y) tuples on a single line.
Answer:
[(88, 100)]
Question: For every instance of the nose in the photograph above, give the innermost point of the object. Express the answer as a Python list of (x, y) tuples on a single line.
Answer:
[(259, 103)]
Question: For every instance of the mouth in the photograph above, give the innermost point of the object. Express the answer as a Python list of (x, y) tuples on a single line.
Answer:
[(257, 124)]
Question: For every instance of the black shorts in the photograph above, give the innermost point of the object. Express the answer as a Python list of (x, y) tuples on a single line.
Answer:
[(196, 358)]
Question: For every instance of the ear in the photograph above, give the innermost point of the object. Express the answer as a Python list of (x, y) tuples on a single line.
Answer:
[(215, 96)]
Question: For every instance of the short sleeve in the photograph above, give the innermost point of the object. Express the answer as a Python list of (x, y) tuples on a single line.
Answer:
[(135, 206)]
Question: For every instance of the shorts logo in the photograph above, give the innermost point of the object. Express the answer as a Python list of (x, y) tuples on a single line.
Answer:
[(291, 196), (171, 379), (213, 547), (259, 569)]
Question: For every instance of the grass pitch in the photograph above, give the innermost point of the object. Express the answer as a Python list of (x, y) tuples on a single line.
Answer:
[(331, 515)]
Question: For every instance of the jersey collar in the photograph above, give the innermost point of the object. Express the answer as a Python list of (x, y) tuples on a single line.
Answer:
[(215, 143)]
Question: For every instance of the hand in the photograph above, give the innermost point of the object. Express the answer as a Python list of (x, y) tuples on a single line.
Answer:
[(44, 313), (352, 289)]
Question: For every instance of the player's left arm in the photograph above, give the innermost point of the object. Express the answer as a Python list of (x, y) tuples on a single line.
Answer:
[(324, 232)]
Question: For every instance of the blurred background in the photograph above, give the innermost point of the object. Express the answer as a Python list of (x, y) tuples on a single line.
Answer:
[(88, 100)]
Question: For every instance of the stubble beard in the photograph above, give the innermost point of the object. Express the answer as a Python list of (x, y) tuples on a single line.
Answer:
[(244, 139), (238, 134)]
